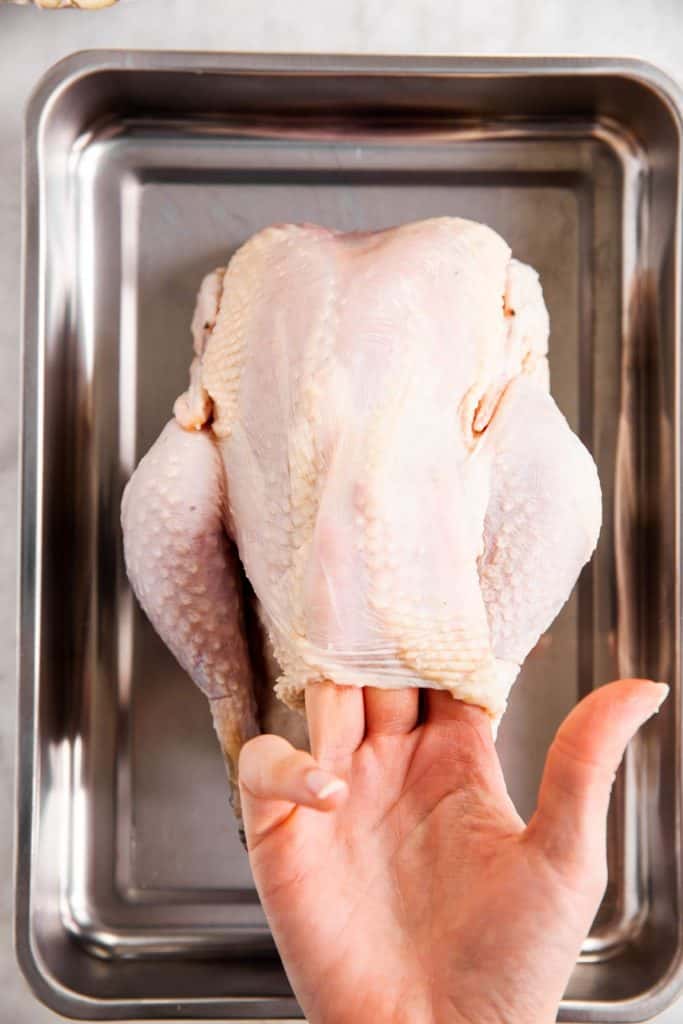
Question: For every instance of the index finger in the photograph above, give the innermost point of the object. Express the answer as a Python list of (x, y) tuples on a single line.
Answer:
[(442, 706), (336, 720)]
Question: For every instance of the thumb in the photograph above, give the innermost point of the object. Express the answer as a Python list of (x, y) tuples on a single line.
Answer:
[(274, 777), (581, 764)]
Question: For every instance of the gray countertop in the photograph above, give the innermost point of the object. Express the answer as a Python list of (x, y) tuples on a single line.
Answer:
[(31, 40)]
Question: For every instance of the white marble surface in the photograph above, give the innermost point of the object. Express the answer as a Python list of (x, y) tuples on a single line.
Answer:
[(31, 40)]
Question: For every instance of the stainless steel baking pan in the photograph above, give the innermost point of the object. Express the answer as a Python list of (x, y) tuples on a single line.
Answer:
[(143, 170)]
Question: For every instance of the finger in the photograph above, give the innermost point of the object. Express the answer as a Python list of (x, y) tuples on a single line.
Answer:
[(465, 732), (390, 712), (443, 707), (274, 778), (336, 720), (581, 765)]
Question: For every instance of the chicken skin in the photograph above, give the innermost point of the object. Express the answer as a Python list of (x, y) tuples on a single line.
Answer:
[(368, 436)]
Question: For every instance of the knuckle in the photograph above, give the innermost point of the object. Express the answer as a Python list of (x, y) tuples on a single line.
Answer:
[(461, 744), (582, 766), (260, 750)]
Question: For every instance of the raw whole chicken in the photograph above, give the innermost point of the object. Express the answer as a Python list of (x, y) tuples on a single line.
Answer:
[(368, 430)]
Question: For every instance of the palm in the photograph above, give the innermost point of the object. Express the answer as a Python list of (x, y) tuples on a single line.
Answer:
[(423, 897)]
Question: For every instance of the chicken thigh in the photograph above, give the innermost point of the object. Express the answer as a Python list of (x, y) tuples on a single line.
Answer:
[(369, 426)]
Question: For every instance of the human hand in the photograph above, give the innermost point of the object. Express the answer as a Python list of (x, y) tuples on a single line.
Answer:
[(409, 889)]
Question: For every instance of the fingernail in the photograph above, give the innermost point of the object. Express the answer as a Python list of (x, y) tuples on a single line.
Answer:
[(323, 784), (663, 690)]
